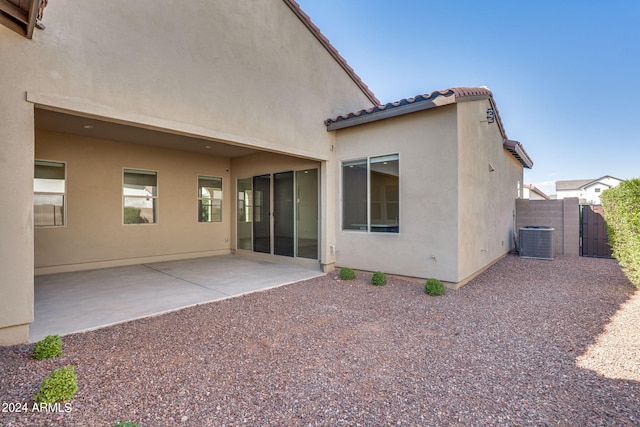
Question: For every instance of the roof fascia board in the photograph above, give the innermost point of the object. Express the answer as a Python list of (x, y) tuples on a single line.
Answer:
[(385, 114), (304, 18), (472, 98), (33, 14)]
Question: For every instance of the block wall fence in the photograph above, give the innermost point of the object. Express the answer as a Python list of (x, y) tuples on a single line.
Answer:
[(563, 215)]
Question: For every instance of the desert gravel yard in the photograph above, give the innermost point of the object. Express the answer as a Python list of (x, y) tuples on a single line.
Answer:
[(529, 342)]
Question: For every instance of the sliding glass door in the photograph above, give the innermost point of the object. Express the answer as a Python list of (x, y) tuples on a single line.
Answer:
[(262, 214), (283, 224), (307, 213), (278, 214)]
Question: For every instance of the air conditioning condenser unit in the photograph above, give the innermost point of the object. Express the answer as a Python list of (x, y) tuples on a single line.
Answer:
[(536, 242)]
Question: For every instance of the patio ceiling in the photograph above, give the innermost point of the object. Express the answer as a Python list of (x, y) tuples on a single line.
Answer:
[(93, 128), (20, 15)]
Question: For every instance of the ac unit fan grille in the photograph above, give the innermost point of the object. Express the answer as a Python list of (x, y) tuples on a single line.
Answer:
[(536, 242)]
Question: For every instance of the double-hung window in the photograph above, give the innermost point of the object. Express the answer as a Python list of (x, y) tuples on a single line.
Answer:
[(48, 194), (371, 194), (140, 196), (209, 199)]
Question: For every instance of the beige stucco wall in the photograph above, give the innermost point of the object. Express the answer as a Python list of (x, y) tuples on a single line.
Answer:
[(240, 71), (94, 235), (16, 218), (427, 243), (486, 198)]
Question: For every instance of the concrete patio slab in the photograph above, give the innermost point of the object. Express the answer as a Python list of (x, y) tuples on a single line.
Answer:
[(79, 301)]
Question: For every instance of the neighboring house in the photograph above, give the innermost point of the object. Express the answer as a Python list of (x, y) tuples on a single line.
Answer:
[(587, 191), (136, 132), (532, 192)]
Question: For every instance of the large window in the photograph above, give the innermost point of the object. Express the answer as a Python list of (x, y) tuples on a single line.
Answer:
[(209, 199), (140, 196), (371, 194), (48, 194)]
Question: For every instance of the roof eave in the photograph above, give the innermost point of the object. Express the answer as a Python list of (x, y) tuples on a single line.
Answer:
[(19, 19), (518, 152), (390, 112)]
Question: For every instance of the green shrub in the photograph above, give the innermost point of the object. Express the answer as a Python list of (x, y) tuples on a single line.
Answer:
[(621, 206), (47, 348), (125, 424), (378, 279), (434, 287), (347, 274), (58, 386)]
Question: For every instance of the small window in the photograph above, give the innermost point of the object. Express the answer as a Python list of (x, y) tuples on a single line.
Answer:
[(597, 190), (209, 199), (140, 196), (48, 194)]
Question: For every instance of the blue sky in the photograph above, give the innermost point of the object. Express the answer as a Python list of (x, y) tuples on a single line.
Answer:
[(565, 74)]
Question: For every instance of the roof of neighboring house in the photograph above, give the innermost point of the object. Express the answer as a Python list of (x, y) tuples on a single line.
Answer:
[(295, 7), (432, 100), (536, 190), (579, 184)]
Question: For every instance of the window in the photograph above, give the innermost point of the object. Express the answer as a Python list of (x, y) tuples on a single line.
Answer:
[(371, 194), (209, 199), (597, 190), (48, 194), (140, 196)]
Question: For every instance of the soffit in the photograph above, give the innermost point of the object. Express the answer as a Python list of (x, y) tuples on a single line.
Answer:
[(21, 15), (93, 128)]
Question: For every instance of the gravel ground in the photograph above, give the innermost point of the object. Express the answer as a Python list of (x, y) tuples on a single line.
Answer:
[(529, 342)]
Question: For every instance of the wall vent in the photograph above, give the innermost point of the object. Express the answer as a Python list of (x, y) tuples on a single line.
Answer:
[(536, 242)]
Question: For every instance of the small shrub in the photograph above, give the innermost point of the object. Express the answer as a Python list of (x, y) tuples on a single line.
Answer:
[(347, 274), (434, 287), (125, 424), (59, 386), (47, 348), (378, 279)]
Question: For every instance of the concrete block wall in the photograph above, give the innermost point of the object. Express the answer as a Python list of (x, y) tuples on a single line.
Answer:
[(563, 215)]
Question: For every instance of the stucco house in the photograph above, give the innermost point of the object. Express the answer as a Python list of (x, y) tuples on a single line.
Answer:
[(587, 191), (137, 132)]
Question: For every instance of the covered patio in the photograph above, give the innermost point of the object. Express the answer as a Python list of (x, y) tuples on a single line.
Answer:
[(80, 301)]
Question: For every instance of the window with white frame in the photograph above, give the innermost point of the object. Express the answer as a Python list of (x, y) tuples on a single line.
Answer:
[(49, 194), (209, 199), (140, 196), (371, 194)]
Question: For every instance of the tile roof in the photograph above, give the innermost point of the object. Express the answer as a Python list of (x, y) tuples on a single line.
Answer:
[(295, 7), (431, 100), (408, 105)]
